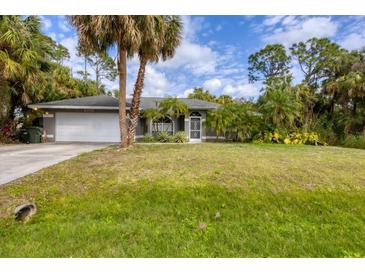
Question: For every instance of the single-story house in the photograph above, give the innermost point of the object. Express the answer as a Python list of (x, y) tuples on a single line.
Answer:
[(96, 119)]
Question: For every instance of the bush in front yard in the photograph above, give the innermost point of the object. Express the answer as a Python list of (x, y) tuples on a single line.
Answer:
[(354, 141), (164, 137), (180, 137), (148, 138)]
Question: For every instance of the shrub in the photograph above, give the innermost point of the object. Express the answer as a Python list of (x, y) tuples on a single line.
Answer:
[(148, 138), (272, 137), (164, 137), (354, 141), (293, 138), (305, 138), (180, 137), (7, 132), (312, 138)]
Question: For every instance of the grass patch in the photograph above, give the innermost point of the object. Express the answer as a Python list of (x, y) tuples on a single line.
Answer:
[(161, 201)]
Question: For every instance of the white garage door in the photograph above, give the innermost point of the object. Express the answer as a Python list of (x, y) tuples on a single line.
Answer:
[(87, 127)]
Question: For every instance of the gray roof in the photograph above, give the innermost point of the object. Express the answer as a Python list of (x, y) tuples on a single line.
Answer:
[(152, 102), (109, 102), (90, 102)]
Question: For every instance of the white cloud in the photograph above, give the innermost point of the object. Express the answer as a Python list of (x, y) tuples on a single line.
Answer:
[(353, 41), (56, 36), (156, 83), (186, 93), (212, 84), (190, 55), (53, 35), (174, 76), (303, 30), (240, 90), (198, 59), (272, 20), (218, 28), (246, 19), (289, 20), (297, 72), (75, 63), (229, 71), (46, 23), (191, 26), (71, 44), (63, 25)]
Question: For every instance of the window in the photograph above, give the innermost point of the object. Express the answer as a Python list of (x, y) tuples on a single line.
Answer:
[(163, 124)]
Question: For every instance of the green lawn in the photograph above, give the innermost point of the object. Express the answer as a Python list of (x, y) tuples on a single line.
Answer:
[(161, 201)]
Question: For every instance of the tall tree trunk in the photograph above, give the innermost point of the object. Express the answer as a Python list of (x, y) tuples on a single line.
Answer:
[(85, 68), (97, 79), (122, 97), (134, 113)]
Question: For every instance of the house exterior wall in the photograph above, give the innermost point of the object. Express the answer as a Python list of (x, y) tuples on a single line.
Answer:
[(186, 125), (144, 126), (182, 123)]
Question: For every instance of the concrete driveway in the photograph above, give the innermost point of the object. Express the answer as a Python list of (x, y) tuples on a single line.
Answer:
[(19, 160)]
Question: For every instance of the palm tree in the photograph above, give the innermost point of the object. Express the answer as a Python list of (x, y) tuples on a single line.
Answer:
[(307, 96), (100, 33), (224, 99), (173, 107), (24, 58), (242, 120), (348, 90), (217, 120), (280, 107), (201, 94), (160, 38)]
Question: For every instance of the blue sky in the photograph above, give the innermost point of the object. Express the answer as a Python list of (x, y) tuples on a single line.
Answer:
[(215, 49)]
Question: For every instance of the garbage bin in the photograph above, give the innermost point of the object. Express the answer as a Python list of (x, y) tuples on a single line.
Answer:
[(24, 136), (34, 134)]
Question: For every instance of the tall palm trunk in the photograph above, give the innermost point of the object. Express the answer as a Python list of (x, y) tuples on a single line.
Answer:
[(85, 68), (134, 113), (97, 78), (122, 96)]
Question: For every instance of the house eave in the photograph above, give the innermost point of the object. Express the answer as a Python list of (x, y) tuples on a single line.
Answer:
[(33, 106), (41, 106), (202, 108)]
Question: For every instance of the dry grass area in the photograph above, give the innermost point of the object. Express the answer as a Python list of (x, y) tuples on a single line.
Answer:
[(163, 200)]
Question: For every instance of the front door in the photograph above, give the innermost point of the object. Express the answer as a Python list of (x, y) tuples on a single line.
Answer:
[(195, 128)]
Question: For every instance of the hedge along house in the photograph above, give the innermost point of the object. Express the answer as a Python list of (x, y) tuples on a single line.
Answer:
[(96, 119)]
